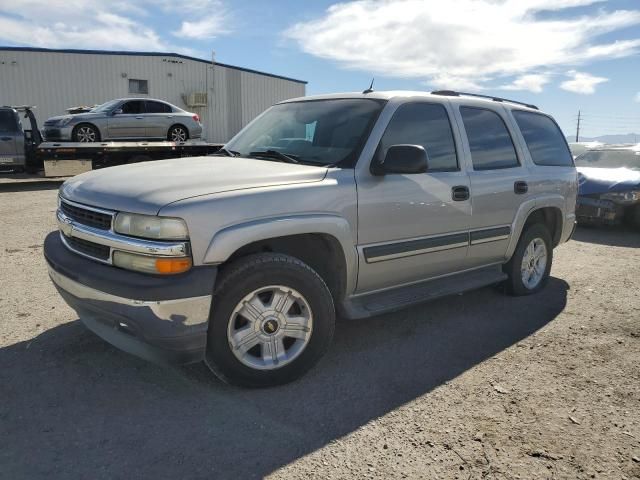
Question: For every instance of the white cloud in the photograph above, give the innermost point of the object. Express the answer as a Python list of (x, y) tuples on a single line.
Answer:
[(532, 82), (582, 82), (104, 24), (213, 24), (464, 42)]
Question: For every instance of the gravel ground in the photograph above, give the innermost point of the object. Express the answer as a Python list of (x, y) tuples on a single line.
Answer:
[(476, 386)]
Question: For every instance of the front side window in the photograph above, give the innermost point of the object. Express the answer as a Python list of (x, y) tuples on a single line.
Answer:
[(134, 107), (544, 139), (322, 132), (489, 140), (427, 125), (138, 86)]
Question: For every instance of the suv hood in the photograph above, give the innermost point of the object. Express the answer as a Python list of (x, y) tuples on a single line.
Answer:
[(148, 186)]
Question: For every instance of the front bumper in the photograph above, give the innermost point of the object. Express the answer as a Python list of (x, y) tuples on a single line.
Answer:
[(60, 134), (162, 319), (598, 212)]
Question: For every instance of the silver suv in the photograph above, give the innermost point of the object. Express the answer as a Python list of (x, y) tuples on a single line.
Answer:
[(125, 118), (350, 205)]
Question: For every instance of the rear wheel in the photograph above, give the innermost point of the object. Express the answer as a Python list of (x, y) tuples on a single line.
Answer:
[(530, 265), (177, 133), (272, 320), (85, 133)]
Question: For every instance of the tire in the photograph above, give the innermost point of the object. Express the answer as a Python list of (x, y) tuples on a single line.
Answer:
[(178, 133), (516, 284), (85, 133), (252, 280)]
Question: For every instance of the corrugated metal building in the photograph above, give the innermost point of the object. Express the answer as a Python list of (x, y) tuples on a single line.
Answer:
[(228, 97)]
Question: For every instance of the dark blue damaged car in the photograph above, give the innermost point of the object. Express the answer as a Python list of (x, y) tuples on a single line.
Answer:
[(609, 186)]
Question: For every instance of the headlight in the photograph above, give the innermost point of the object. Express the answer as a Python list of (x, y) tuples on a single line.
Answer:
[(622, 197), (150, 264), (150, 226), (65, 121)]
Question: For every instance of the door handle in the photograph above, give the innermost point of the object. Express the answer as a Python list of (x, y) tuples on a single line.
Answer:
[(6, 139), (520, 187), (460, 193)]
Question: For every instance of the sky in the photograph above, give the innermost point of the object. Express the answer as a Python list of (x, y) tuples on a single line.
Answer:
[(562, 55)]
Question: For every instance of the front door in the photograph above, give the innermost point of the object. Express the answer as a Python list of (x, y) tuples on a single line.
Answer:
[(130, 123), (410, 227)]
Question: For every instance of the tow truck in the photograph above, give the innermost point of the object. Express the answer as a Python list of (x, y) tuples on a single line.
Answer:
[(23, 149)]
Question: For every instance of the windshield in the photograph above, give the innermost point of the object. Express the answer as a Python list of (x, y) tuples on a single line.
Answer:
[(322, 132), (610, 159), (105, 107)]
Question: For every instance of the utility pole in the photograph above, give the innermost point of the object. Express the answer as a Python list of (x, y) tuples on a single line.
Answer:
[(578, 128)]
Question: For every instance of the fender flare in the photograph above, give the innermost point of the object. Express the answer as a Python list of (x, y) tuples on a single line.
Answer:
[(228, 240), (525, 210)]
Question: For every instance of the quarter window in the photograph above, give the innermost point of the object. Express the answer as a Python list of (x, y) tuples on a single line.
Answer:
[(544, 139), (489, 140), (138, 86), (425, 124)]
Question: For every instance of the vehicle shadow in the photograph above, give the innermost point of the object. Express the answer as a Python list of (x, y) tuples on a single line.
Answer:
[(18, 182), (75, 407), (618, 236)]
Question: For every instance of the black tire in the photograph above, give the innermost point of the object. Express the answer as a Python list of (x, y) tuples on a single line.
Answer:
[(514, 285), (177, 131), (239, 280), (77, 136), (632, 217)]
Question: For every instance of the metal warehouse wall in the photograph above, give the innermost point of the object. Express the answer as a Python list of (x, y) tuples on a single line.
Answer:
[(54, 81)]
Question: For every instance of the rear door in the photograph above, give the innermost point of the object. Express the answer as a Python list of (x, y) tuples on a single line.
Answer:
[(498, 178), (130, 123), (9, 132), (158, 119)]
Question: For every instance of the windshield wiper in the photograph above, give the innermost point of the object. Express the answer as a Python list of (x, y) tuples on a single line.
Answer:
[(227, 153), (275, 154)]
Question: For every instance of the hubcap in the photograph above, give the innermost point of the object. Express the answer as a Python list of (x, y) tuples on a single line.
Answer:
[(86, 134), (178, 135), (270, 327), (534, 263)]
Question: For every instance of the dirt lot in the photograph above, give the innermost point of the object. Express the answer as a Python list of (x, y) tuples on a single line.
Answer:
[(476, 386)]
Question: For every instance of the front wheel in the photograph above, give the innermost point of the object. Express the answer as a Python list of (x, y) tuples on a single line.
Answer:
[(86, 133), (272, 320), (529, 267)]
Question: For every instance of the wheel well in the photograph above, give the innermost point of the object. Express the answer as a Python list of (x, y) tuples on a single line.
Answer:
[(551, 217), (321, 252)]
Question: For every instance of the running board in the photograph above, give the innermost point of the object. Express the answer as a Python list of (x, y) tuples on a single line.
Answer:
[(399, 298)]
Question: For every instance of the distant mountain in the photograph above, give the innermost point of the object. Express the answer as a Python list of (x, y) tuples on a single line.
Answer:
[(622, 138)]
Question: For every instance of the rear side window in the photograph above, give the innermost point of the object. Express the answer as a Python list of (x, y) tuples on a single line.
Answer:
[(8, 121), (425, 124), (489, 140), (544, 139), (158, 107)]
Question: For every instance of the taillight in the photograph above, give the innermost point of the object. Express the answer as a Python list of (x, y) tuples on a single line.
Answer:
[(196, 117)]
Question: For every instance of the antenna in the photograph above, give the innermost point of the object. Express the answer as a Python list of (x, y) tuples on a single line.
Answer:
[(370, 89)]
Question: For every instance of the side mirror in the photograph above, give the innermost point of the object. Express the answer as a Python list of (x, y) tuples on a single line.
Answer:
[(117, 111), (403, 159)]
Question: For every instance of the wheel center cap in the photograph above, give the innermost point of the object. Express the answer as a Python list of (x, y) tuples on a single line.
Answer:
[(270, 326)]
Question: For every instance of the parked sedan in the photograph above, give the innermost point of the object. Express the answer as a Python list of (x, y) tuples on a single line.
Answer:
[(609, 185), (125, 119)]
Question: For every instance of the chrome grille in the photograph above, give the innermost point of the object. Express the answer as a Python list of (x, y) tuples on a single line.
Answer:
[(93, 250), (86, 216)]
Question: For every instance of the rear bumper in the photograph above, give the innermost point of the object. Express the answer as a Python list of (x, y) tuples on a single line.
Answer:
[(162, 319)]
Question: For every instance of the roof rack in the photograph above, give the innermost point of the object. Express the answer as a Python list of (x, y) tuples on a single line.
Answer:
[(452, 93)]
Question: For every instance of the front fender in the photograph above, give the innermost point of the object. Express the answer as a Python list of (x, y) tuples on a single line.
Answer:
[(230, 239)]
